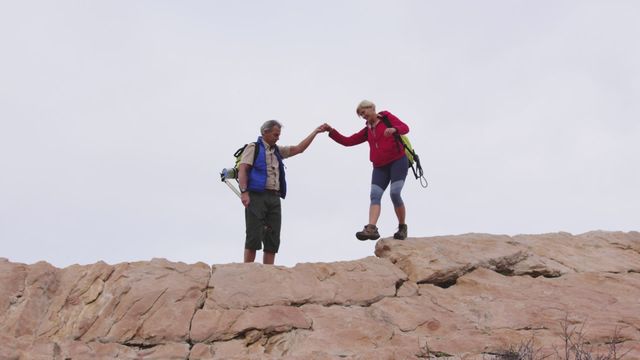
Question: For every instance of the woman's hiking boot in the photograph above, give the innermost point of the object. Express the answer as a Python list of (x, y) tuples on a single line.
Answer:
[(370, 232), (402, 232)]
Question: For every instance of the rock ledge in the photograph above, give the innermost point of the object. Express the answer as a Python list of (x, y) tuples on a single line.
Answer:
[(465, 296)]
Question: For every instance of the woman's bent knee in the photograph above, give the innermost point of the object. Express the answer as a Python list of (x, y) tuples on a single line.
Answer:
[(395, 192), (376, 194)]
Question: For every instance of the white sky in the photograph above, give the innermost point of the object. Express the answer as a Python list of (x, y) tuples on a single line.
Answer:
[(117, 116)]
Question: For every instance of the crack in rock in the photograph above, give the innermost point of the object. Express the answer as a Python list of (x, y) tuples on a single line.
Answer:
[(200, 304)]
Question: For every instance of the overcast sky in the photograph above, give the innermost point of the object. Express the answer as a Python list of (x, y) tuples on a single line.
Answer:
[(116, 118)]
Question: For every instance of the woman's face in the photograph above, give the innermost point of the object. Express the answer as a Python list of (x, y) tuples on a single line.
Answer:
[(368, 114)]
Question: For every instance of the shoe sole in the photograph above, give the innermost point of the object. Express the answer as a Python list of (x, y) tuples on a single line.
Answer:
[(366, 237), (397, 237)]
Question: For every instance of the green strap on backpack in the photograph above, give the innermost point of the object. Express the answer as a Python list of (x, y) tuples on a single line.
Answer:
[(414, 159)]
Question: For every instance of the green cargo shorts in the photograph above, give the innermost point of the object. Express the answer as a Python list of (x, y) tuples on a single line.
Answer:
[(263, 218)]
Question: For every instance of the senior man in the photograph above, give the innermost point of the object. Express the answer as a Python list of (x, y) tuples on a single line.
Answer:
[(262, 184)]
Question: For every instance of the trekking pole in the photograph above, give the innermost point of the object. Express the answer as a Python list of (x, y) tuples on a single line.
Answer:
[(233, 188), (226, 175)]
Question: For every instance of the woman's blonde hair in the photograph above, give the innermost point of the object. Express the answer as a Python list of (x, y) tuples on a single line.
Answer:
[(365, 104)]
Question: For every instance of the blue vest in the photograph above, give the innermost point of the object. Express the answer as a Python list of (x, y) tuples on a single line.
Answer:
[(258, 174)]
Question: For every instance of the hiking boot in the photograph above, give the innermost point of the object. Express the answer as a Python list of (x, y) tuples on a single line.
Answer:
[(370, 232), (401, 234)]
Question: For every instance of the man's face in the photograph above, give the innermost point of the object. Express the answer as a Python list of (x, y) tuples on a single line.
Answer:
[(272, 136)]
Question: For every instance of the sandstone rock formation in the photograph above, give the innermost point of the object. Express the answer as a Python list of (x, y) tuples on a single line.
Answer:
[(469, 296)]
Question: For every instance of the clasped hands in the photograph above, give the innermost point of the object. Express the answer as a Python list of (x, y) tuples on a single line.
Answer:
[(326, 127)]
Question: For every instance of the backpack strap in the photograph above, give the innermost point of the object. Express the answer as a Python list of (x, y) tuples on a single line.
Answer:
[(239, 151), (396, 136), (417, 171), (386, 121), (255, 153)]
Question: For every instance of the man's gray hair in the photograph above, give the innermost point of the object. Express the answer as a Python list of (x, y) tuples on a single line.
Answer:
[(268, 125)]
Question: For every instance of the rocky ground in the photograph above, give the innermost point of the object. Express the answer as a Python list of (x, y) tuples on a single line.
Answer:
[(472, 296)]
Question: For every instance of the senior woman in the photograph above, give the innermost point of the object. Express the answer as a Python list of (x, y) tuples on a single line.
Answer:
[(390, 164)]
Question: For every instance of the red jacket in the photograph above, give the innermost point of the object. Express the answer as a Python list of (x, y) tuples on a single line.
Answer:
[(383, 150)]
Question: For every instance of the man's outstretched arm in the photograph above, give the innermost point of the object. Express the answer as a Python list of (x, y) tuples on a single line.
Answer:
[(304, 144)]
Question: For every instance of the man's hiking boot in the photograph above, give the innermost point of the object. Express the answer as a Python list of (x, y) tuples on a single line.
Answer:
[(402, 232), (370, 232)]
